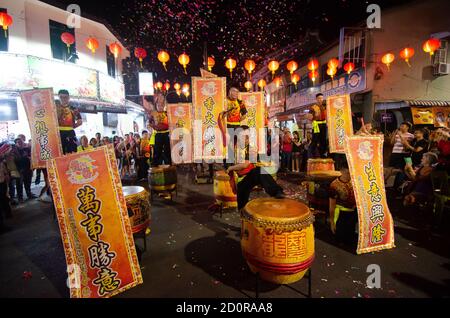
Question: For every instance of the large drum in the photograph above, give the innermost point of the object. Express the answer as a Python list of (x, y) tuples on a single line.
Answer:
[(162, 178), (138, 206), (223, 193), (277, 239), (319, 165)]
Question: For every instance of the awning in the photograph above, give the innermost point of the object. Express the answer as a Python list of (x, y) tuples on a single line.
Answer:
[(428, 103)]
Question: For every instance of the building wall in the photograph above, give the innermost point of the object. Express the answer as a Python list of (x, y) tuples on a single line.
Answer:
[(30, 33)]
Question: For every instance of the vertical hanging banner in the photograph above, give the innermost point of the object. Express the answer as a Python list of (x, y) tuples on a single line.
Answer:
[(254, 102), (205, 73), (339, 121), (208, 100), (365, 159), (94, 223), (180, 126), (45, 138)]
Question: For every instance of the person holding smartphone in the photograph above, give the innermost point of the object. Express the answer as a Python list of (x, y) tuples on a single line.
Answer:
[(417, 147)]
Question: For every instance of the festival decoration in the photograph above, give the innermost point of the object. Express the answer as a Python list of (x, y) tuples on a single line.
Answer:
[(230, 64), (184, 59), (313, 75), (273, 66), (115, 49), (68, 39), (159, 85), (5, 21), (331, 72), (349, 67), (333, 63), (292, 66), (277, 81), (163, 57), (295, 78), (180, 126), (387, 59), (177, 86), (92, 44), (406, 54), (211, 63), (166, 86), (261, 84), (250, 66), (313, 65), (339, 122), (431, 45), (140, 53), (248, 85)]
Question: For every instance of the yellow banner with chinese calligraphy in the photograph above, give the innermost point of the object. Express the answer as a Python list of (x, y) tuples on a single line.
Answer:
[(180, 125), (365, 159), (255, 118), (208, 100), (441, 116), (45, 138), (339, 121), (422, 115), (94, 223)]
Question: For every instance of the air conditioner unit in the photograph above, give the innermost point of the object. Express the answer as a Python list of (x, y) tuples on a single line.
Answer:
[(440, 56), (441, 69)]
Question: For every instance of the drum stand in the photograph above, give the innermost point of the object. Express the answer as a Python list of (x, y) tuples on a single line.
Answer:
[(307, 275), (142, 235)]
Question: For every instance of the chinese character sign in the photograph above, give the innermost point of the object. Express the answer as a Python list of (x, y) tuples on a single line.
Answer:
[(94, 223), (180, 125), (339, 120), (41, 112), (365, 159), (255, 118), (208, 100)]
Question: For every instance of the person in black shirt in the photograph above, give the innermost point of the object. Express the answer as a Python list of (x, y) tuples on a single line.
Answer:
[(418, 146), (23, 163)]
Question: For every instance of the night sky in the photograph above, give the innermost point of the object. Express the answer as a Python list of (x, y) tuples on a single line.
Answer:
[(238, 29)]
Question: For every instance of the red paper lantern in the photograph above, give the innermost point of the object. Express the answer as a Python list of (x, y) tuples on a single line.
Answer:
[(387, 59), (250, 66), (292, 66), (313, 75), (277, 81), (177, 86), (333, 63), (163, 57), (159, 85), (295, 78), (140, 53), (349, 67), (313, 65), (211, 63), (167, 86), (184, 59), (273, 66), (230, 64), (431, 45), (406, 54), (115, 49), (92, 44), (261, 83), (68, 39), (5, 21), (248, 85), (185, 88)]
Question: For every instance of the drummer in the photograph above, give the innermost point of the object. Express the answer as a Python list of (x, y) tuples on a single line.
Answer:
[(160, 123), (343, 213), (249, 176)]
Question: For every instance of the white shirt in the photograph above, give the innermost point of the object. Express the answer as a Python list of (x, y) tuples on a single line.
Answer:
[(398, 146)]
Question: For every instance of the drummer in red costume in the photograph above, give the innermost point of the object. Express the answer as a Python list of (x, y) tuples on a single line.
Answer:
[(68, 119), (249, 175), (235, 114), (319, 126), (160, 123)]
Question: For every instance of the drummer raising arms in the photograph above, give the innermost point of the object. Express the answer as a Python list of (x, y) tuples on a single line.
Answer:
[(160, 123), (249, 176)]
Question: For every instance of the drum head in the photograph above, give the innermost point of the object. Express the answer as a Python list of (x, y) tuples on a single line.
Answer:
[(277, 210), (130, 190), (321, 160)]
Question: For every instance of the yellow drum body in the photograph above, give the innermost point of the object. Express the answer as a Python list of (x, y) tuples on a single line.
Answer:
[(277, 239), (162, 178), (223, 193), (138, 204), (315, 165)]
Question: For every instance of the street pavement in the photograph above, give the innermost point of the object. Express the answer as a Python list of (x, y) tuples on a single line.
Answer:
[(191, 253)]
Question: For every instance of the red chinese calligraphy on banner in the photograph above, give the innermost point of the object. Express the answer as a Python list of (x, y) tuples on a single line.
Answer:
[(94, 223), (180, 126), (41, 112), (208, 101), (365, 159), (255, 118), (339, 121)]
